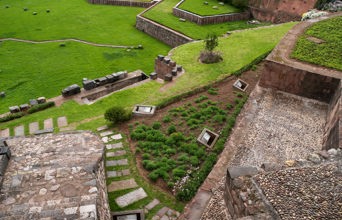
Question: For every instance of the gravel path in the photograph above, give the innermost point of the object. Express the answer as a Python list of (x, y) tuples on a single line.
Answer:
[(64, 40)]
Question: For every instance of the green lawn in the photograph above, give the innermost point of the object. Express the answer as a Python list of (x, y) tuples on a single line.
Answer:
[(162, 13), (328, 53), (198, 7), (238, 50), (31, 70)]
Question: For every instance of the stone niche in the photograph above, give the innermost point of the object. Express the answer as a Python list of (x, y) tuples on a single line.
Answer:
[(144, 110), (207, 138), (240, 85), (129, 215)]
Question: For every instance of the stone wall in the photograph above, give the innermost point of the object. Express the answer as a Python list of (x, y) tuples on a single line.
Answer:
[(333, 129), (123, 3), (160, 32), (215, 19), (102, 203), (298, 82), (279, 11)]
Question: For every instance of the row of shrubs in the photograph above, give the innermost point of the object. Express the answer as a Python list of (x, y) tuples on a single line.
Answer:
[(33, 109), (189, 190)]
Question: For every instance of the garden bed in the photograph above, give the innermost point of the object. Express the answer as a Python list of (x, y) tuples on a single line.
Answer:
[(166, 145)]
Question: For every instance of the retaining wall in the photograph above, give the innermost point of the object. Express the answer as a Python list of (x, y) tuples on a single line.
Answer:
[(160, 32), (333, 128), (279, 11), (214, 19), (123, 3)]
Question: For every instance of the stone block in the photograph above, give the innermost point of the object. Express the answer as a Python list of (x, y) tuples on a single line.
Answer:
[(131, 197), (167, 60), (152, 204), (174, 72), (33, 102), (14, 109), (121, 185), (41, 100), (179, 68), (168, 77), (160, 57), (172, 63), (153, 76), (71, 90), (24, 107)]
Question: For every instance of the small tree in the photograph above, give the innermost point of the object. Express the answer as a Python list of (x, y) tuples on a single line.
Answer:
[(208, 55), (211, 42), (117, 114)]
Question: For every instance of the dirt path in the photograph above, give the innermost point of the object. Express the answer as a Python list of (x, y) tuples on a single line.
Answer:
[(64, 40)]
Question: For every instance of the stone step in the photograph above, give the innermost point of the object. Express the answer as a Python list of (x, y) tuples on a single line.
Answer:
[(112, 163), (48, 123), (116, 137), (131, 197), (5, 133), (114, 146), (33, 127), (62, 121), (118, 173), (121, 185), (106, 133), (152, 204), (166, 213), (116, 153), (19, 130), (102, 128)]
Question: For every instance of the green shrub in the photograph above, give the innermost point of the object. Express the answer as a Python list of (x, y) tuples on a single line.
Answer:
[(219, 118), (194, 160), (40, 107), (177, 172), (156, 125), (153, 176), (146, 156), (166, 119), (201, 98), (10, 117), (212, 91), (171, 129), (117, 114), (229, 106)]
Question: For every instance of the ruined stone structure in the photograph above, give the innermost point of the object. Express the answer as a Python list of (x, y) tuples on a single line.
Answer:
[(279, 11), (55, 177), (214, 19), (165, 68)]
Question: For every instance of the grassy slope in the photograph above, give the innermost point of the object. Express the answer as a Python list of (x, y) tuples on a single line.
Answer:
[(327, 54), (198, 7), (162, 14), (238, 50), (28, 71)]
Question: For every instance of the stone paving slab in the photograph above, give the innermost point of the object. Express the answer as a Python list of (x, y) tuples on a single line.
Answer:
[(48, 123), (116, 153), (19, 130), (119, 173), (106, 133), (5, 133), (114, 146), (116, 137), (102, 128), (62, 121), (152, 204), (111, 163), (131, 197), (162, 211), (123, 184), (105, 140), (33, 127)]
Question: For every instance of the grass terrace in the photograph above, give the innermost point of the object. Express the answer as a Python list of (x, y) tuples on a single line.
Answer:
[(32, 70), (162, 13), (198, 7), (321, 44)]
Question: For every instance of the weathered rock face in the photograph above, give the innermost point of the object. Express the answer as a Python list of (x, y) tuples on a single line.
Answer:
[(279, 11), (55, 176)]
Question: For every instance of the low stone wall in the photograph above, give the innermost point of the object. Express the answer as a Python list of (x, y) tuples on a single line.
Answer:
[(333, 128), (102, 203), (214, 19), (298, 82), (163, 66), (160, 32), (280, 11), (123, 3)]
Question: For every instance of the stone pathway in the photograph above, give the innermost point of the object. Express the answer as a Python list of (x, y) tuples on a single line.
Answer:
[(115, 150), (48, 123), (62, 122)]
